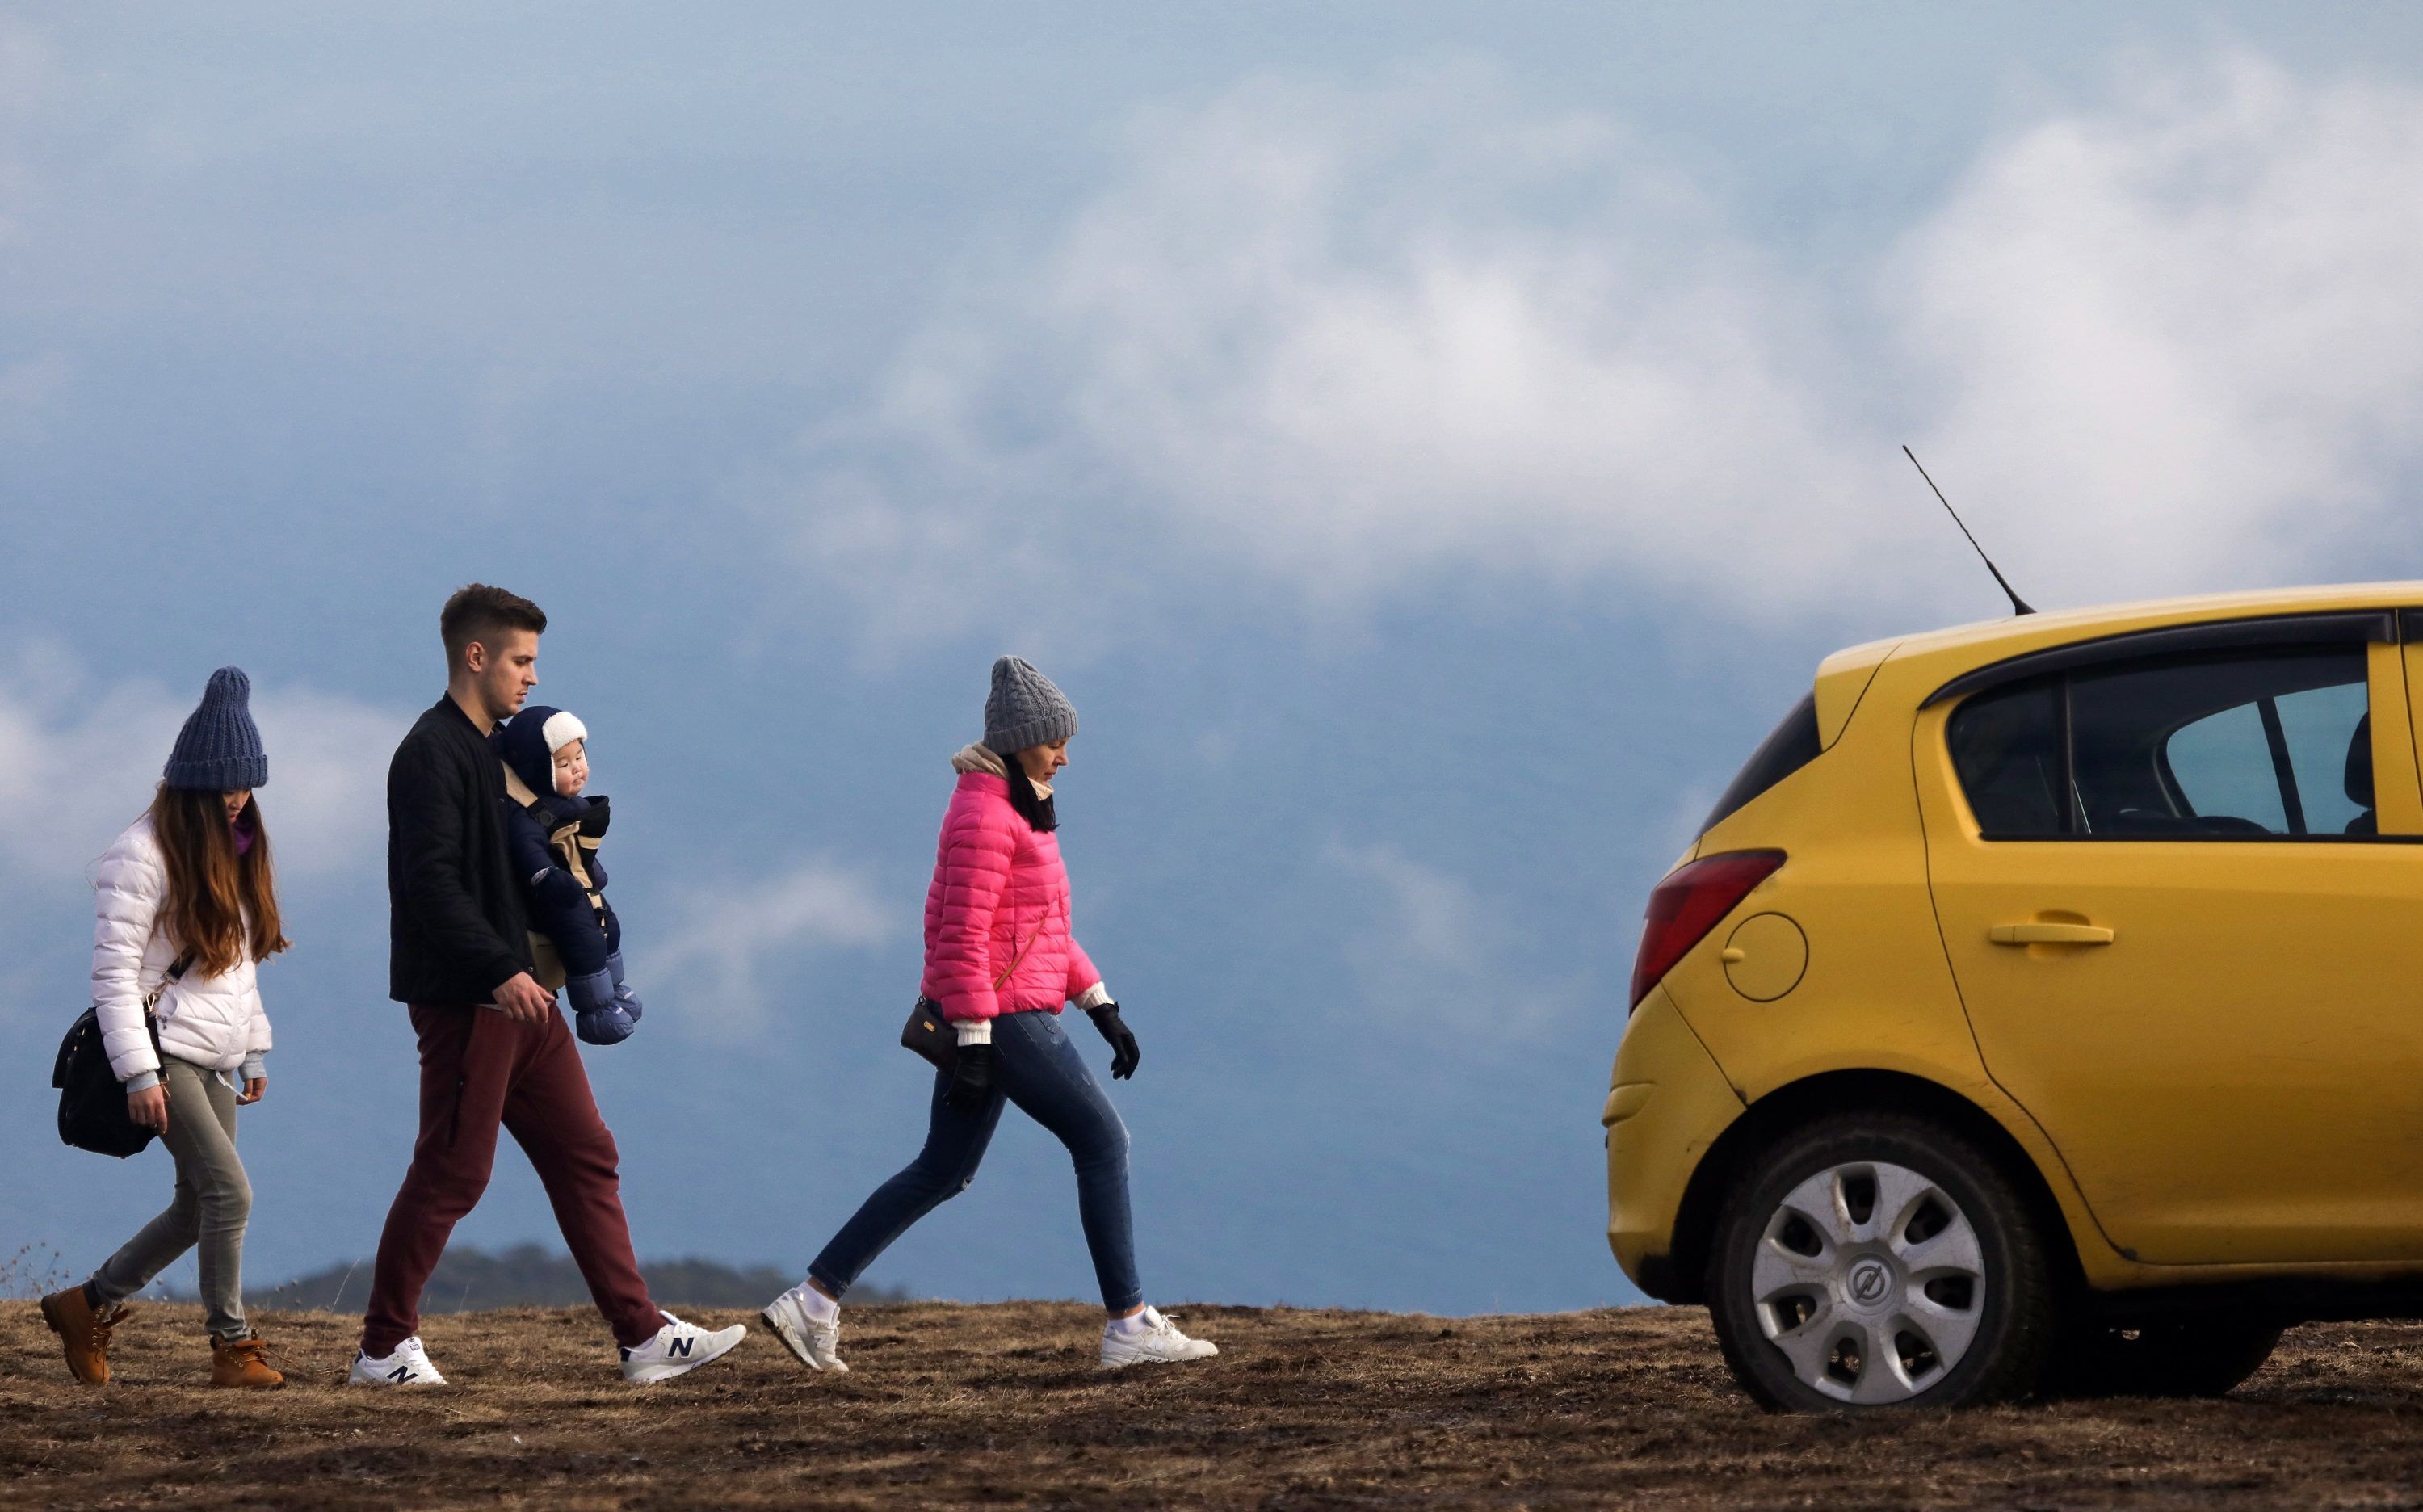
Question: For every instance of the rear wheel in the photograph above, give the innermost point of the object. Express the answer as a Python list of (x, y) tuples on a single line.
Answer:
[(2200, 1355), (1879, 1261)]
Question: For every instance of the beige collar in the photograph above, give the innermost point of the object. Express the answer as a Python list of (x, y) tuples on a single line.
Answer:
[(980, 757)]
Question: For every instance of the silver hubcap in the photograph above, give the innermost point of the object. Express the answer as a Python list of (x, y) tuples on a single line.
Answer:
[(1871, 1281)]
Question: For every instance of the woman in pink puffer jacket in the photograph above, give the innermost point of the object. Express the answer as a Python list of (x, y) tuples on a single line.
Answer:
[(997, 934), (1001, 959)]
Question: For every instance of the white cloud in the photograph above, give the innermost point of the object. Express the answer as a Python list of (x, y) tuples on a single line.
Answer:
[(79, 761), (1437, 955), (1349, 344), (2180, 338), (328, 779), (732, 934), (1343, 341)]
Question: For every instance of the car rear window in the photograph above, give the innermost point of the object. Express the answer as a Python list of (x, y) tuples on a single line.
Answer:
[(2008, 748), (1789, 747)]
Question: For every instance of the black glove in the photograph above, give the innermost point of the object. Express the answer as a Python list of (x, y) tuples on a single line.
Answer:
[(1124, 1054), (970, 1079)]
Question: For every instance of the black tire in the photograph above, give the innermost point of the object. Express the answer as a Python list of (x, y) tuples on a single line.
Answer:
[(1996, 1281), (2203, 1354)]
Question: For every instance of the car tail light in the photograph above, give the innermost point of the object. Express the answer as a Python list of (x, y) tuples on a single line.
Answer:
[(1690, 902)]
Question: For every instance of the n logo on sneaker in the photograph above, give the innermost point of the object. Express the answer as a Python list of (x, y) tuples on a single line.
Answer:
[(678, 1346), (400, 1373)]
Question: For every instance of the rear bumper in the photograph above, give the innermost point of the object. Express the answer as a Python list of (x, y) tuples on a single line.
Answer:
[(1669, 1104)]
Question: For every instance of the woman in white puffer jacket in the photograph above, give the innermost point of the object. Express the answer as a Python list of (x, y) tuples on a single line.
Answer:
[(188, 910), (218, 1021)]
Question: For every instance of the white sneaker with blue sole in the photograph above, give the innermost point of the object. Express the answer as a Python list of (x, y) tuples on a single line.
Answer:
[(677, 1349), (406, 1365)]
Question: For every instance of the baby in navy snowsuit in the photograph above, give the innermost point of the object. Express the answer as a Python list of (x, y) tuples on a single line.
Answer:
[(552, 833)]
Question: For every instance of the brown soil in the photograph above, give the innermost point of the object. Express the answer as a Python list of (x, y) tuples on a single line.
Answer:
[(991, 1406)]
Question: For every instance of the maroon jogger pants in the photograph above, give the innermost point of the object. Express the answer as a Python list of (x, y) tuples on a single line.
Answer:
[(479, 1069)]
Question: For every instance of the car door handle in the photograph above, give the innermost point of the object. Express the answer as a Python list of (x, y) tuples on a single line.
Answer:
[(2040, 933)]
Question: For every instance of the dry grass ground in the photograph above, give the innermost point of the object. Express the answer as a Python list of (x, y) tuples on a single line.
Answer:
[(1001, 1405)]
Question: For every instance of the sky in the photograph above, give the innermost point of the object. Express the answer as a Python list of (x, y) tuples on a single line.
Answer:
[(1429, 445)]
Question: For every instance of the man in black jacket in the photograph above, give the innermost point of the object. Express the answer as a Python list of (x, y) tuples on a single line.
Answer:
[(494, 1050)]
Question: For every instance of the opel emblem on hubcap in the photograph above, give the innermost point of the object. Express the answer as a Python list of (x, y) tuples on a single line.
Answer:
[(1870, 1281)]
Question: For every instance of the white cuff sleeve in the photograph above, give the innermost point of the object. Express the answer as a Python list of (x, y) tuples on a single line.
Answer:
[(975, 1030), (1094, 996)]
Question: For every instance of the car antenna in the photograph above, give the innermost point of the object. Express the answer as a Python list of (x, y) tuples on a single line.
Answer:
[(2019, 605)]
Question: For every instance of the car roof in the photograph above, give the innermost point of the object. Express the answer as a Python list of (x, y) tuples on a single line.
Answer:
[(1843, 677), (1997, 638)]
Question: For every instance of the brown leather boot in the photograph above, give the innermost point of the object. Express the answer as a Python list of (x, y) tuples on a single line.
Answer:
[(242, 1362), (85, 1332)]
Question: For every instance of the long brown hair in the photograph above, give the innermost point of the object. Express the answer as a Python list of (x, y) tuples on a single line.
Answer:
[(213, 890)]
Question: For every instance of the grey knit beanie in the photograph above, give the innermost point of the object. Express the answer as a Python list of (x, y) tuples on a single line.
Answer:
[(219, 749), (1024, 708)]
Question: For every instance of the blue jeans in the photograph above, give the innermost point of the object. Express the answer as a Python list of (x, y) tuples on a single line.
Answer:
[(1036, 1067)]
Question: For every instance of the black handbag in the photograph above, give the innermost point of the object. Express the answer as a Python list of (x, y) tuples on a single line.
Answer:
[(92, 1101), (930, 1035)]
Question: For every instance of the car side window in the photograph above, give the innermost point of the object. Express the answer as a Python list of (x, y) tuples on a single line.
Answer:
[(2321, 725), (2223, 764), (2200, 746)]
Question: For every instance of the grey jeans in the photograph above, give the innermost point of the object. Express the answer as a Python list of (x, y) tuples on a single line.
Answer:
[(212, 1203)]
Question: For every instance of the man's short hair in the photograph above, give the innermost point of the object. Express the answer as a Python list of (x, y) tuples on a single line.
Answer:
[(478, 612)]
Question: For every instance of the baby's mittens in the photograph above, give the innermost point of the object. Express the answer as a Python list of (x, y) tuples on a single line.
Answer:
[(596, 1017), (626, 999), (591, 992)]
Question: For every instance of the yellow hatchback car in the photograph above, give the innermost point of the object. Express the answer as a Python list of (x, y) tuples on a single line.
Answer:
[(2042, 1008)]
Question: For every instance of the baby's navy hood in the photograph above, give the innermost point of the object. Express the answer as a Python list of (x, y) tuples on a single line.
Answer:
[(522, 745)]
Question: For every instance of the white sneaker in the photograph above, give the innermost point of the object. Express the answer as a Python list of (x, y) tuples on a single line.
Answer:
[(677, 1348), (1157, 1342), (408, 1365), (817, 1346)]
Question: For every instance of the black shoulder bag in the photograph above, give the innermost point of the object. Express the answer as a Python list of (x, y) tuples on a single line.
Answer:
[(92, 1101), (931, 1035)]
